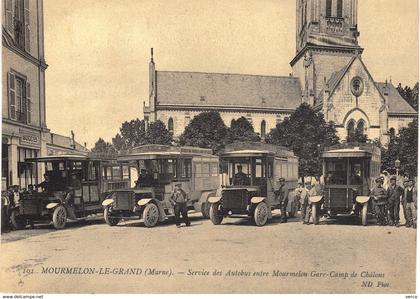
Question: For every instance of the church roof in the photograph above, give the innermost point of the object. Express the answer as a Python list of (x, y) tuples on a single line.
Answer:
[(397, 104), (195, 89)]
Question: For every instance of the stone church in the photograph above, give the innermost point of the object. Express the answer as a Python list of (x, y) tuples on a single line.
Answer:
[(328, 74)]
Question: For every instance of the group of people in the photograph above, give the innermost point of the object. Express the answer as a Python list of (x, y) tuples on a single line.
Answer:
[(388, 199)]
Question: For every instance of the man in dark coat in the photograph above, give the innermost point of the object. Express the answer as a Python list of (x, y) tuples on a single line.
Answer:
[(395, 194)]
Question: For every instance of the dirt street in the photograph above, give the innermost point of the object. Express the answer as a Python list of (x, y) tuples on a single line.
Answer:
[(235, 257)]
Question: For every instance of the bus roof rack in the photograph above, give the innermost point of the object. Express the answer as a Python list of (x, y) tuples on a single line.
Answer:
[(240, 146), (162, 149)]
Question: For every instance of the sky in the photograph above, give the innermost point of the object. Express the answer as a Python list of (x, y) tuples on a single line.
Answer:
[(98, 51)]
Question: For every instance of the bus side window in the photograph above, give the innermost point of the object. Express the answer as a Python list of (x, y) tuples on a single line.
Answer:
[(186, 168)]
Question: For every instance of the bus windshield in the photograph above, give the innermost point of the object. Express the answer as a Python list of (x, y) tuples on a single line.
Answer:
[(246, 171), (59, 175), (151, 172)]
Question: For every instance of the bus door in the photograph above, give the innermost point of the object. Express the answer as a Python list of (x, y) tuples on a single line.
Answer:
[(90, 184)]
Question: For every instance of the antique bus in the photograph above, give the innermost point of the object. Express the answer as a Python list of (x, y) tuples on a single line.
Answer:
[(155, 170), (74, 187), (349, 172), (258, 167)]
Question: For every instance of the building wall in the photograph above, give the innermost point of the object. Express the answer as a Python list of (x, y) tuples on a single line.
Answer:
[(181, 119), (398, 122), (347, 107), (22, 140)]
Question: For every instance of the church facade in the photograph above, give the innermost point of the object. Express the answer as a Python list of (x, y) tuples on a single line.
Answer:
[(328, 74)]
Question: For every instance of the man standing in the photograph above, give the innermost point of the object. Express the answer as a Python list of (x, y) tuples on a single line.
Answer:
[(282, 197), (410, 204), (395, 193), (305, 204), (296, 205), (179, 201), (379, 195)]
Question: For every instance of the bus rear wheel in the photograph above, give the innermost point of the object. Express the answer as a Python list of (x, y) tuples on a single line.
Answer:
[(215, 217)]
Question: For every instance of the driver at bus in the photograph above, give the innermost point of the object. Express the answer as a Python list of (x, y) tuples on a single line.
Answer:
[(45, 185), (240, 178), (145, 179)]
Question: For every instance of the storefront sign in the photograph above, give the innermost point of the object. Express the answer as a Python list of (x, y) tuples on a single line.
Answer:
[(28, 138)]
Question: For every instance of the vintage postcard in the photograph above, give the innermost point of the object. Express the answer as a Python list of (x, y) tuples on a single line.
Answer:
[(242, 146)]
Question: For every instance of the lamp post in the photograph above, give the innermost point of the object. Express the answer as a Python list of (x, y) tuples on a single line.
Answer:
[(397, 165)]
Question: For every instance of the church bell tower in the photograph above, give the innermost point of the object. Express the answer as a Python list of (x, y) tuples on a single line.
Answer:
[(326, 39)]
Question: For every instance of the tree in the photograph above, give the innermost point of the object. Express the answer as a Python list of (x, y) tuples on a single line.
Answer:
[(206, 130), (410, 95), (101, 146), (132, 133), (408, 148), (242, 130), (306, 133), (403, 147), (358, 137), (157, 133)]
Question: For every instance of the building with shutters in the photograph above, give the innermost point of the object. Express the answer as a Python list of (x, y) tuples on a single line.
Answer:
[(328, 73), (24, 129)]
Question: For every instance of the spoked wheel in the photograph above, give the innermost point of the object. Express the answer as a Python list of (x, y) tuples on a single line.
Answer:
[(261, 214), (150, 215), (59, 217), (364, 214), (315, 215), (109, 219), (18, 222), (215, 217)]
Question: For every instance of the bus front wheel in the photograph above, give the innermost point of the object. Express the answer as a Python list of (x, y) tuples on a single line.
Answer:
[(364, 213), (315, 215), (150, 215)]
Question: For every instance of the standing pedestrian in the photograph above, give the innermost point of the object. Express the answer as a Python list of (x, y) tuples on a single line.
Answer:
[(296, 205), (281, 195), (179, 201), (410, 204), (394, 195), (304, 200), (379, 195)]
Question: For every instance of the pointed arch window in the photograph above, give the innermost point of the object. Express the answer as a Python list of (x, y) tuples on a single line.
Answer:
[(351, 128), (171, 125), (360, 129), (263, 128)]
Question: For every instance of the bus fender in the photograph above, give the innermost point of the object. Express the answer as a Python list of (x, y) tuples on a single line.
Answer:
[(257, 199), (52, 205), (144, 201), (107, 202), (214, 199), (206, 195), (362, 199), (315, 199)]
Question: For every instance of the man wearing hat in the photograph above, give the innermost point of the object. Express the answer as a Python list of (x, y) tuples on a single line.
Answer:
[(281, 195), (379, 195), (179, 202), (395, 193), (410, 204)]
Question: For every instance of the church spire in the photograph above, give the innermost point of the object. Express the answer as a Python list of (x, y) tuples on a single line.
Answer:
[(151, 55)]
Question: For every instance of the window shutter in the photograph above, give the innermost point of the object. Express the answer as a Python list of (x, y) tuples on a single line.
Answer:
[(9, 16), (27, 27), (28, 102), (12, 96)]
